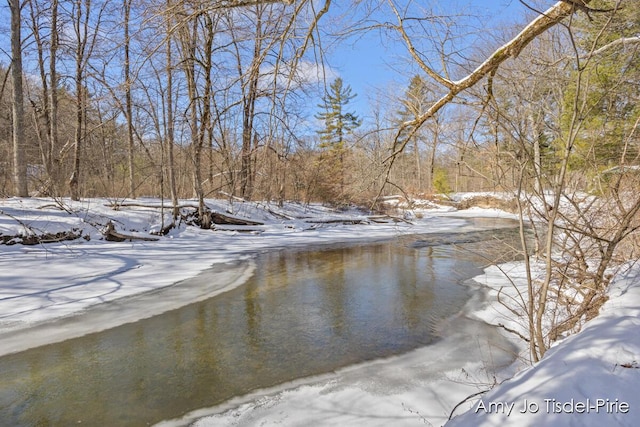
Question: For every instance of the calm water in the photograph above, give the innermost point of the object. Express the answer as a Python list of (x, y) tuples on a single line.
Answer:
[(303, 313)]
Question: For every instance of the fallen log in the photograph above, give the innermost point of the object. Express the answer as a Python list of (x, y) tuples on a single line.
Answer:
[(379, 219), (117, 206), (239, 228), (110, 234), (345, 221), (385, 219), (218, 218), (36, 239)]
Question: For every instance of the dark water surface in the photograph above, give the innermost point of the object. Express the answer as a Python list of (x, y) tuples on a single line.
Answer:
[(302, 313)]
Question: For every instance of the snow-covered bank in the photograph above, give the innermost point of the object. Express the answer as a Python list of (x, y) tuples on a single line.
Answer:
[(589, 379), (98, 317)]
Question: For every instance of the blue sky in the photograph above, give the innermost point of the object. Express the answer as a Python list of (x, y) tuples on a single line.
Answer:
[(371, 65)]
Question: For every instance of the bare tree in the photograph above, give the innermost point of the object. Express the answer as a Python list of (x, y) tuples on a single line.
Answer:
[(452, 88), (168, 115), (249, 85), (43, 135), (19, 158), (53, 96), (128, 83), (86, 28)]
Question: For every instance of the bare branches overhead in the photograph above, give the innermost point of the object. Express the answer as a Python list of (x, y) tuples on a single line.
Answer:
[(511, 49), (551, 17)]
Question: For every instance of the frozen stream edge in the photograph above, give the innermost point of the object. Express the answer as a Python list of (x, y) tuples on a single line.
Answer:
[(129, 309)]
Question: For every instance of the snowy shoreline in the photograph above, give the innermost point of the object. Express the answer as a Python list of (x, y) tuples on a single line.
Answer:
[(128, 309), (588, 379)]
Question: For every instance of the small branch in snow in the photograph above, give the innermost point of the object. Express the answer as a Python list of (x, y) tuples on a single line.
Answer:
[(465, 400), (513, 331)]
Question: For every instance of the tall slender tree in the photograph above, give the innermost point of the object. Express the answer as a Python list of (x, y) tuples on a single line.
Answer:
[(44, 30), (169, 125), (126, 6), (86, 23), (19, 159), (53, 97), (413, 104)]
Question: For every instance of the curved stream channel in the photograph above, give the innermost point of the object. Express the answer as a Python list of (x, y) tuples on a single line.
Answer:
[(302, 313)]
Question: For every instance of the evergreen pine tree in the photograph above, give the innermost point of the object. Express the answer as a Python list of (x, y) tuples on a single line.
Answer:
[(415, 100), (337, 122), (612, 100)]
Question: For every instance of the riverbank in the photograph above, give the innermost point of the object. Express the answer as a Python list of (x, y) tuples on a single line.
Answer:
[(44, 283), (588, 379)]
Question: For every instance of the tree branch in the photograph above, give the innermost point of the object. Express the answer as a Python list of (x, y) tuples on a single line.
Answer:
[(414, 54), (553, 16), (624, 41)]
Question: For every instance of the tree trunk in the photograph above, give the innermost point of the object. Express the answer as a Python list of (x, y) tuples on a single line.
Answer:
[(537, 127), (416, 149), (169, 124), (53, 101), (432, 154), (43, 136), (249, 101), (79, 77), (75, 174), (199, 124), (19, 159), (128, 101)]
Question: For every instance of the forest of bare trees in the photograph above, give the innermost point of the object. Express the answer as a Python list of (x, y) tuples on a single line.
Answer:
[(205, 99), (122, 99)]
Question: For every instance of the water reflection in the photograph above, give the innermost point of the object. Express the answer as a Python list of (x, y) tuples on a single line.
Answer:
[(303, 313)]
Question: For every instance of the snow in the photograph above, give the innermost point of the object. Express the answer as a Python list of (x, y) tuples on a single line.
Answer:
[(54, 291), (589, 379)]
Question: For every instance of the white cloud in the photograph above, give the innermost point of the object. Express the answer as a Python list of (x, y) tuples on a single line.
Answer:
[(304, 73)]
